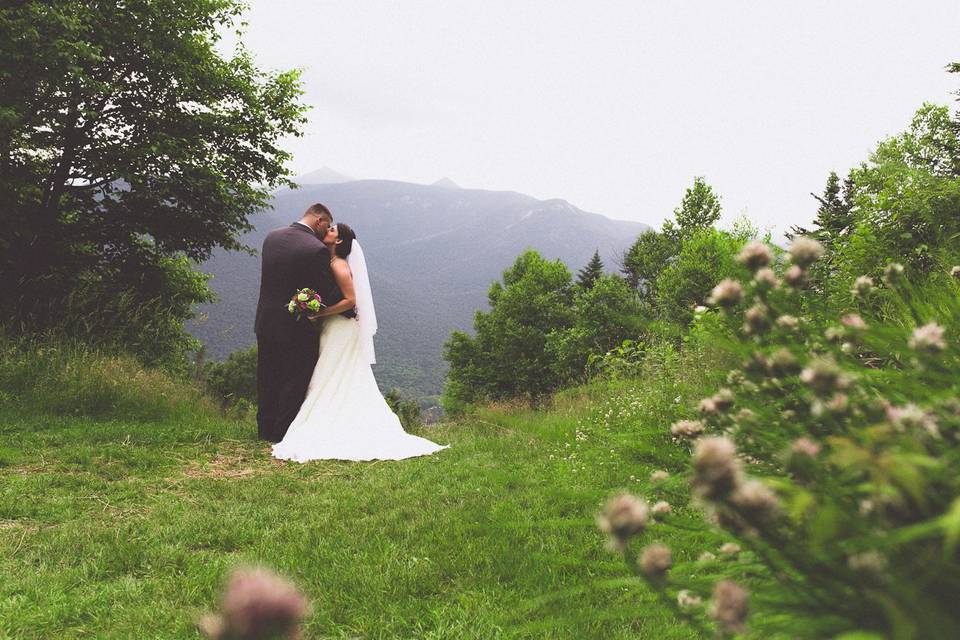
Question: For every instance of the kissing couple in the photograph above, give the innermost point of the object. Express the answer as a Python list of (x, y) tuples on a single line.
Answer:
[(317, 398)]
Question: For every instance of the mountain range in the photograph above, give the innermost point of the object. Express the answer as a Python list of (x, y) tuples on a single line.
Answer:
[(432, 252)]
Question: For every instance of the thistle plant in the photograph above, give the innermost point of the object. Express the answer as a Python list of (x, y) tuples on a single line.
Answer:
[(831, 461)]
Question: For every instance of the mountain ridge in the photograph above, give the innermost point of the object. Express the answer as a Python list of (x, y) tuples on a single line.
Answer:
[(432, 252)]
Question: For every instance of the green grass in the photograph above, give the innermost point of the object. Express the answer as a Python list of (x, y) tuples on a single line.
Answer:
[(117, 528)]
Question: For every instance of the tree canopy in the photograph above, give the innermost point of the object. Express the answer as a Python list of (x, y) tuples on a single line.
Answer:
[(129, 146)]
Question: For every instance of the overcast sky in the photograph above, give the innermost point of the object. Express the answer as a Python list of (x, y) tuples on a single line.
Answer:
[(614, 106)]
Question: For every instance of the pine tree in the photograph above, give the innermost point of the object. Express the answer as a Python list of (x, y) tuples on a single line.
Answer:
[(587, 276), (834, 215)]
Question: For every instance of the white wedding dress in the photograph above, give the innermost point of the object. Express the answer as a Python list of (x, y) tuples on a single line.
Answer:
[(344, 416)]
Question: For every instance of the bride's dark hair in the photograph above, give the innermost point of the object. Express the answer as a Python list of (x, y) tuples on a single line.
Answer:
[(346, 234)]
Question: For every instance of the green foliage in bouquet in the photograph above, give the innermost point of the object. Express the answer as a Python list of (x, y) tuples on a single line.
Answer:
[(831, 457)]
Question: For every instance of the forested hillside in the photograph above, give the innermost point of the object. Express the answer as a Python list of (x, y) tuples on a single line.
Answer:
[(432, 250)]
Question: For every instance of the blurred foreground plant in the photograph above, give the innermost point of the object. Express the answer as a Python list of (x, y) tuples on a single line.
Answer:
[(831, 457)]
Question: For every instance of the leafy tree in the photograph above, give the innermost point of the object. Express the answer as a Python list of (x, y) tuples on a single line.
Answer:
[(507, 356), (129, 148), (646, 258), (705, 258), (699, 209), (906, 201), (587, 276), (605, 316)]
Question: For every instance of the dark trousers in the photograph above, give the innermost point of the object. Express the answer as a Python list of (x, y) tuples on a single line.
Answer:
[(283, 374)]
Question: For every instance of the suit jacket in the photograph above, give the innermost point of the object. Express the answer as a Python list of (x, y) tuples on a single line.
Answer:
[(292, 258)]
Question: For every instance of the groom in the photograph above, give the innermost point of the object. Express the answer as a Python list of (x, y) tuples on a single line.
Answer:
[(287, 350)]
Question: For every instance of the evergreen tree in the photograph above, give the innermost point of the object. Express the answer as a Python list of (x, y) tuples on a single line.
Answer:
[(587, 276), (834, 216)]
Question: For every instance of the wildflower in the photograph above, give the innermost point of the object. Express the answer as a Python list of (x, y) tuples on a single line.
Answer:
[(715, 466), (699, 309), (795, 276), (730, 549), (755, 255), (893, 274), (834, 334), (805, 446), (823, 376), (756, 319), (928, 338), (706, 556), (755, 501), (687, 428), (726, 294), (839, 403), (788, 322), (848, 347), (655, 560), (659, 476), (730, 603), (766, 279), (912, 417), (662, 508), (257, 604), (955, 272), (686, 600), (783, 362), (862, 286), (744, 415), (624, 517), (805, 251), (853, 321), (723, 399), (708, 407), (867, 562)]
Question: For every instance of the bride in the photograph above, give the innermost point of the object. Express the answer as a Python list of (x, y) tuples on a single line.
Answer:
[(344, 416)]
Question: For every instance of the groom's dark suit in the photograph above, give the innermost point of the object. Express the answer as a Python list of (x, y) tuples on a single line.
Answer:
[(287, 349)]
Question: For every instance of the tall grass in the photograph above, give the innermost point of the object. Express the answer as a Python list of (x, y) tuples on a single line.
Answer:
[(69, 378)]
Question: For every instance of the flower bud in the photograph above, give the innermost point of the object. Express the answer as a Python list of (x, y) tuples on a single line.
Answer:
[(624, 517), (655, 561), (795, 277), (687, 428), (928, 339), (726, 294), (805, 251), (730, 606), (755, 255), (862, 287), (716, 470)]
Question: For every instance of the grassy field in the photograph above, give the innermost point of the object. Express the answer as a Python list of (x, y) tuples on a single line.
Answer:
[(112, 528)]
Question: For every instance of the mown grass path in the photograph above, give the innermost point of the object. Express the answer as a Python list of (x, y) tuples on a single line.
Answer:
[(111, 529)]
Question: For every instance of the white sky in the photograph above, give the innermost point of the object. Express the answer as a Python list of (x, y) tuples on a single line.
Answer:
[(614, 106)]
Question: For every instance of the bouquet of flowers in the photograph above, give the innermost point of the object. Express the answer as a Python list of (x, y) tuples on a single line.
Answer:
[(303, 302)]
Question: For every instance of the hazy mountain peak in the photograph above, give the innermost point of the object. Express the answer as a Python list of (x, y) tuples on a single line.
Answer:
[(446, 183), (324, 175)]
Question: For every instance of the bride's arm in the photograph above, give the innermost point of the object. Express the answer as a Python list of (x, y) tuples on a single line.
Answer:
[(341, 273)]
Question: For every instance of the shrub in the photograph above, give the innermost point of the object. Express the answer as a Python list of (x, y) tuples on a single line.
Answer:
[(235, 378), (409, 412)]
